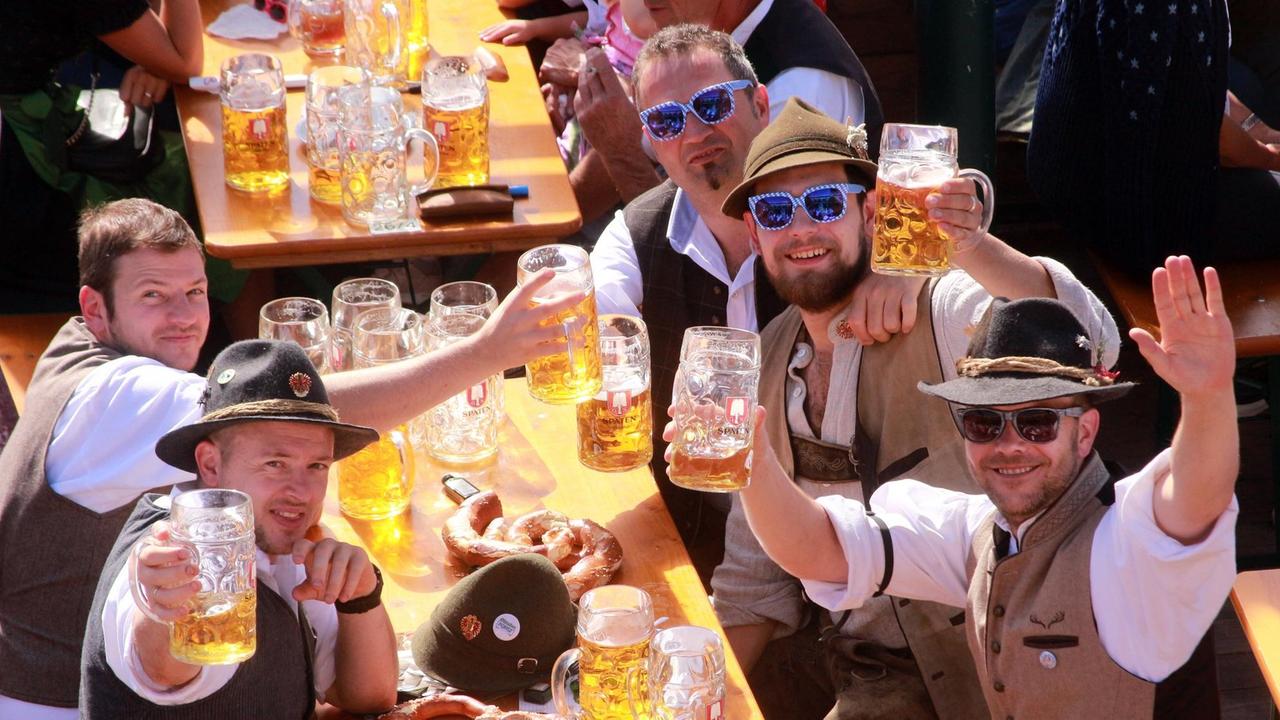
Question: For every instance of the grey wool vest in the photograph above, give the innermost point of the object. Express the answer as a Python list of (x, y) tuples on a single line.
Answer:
[(277, 682)]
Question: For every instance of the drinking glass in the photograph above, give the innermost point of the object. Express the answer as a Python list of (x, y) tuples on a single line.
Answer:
[(685, 676), (477, 298), (615, 427), (914, 161), (715, 398), (303, 320), (324, 124), (455, 109), (373, 145), (377, 39), (351, 298), (572, 375), (464, 428), (615, 624), (318, 25), (255, 147)]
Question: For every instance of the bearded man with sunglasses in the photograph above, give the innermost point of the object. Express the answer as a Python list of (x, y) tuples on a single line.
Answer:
[(847, 416)]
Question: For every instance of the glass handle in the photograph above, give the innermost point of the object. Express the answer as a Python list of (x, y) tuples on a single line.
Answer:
[(405, 449), (988, 196), (392, 15), (295, 19), (429, 147), (634, 690), (560, 691)]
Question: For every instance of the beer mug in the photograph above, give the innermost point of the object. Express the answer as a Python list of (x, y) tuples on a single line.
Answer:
[(324, 124), (255, 147), (351, 298), (715, 400), (477, 298), (615, 428), (455, 109), (377, 482), (318, 25), (464, 428), (573, 375), (373, 145), (685, 676), (216, 527), (914, 161), (302, 320), (377, 39), (615, 623)]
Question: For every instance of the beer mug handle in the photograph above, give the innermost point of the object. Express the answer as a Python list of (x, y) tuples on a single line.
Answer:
[(634, 689), (295, 18), (560, 691), (988, 196), (430, 146), (392, 15), (405, 449)]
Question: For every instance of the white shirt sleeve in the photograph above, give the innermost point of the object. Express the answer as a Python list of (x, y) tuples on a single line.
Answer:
[(615, 270), (1153, 597), (837, 96), (102, 454)]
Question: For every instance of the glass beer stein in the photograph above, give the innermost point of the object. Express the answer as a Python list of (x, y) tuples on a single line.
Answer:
[(377, 39), (464, 428), (615, 623), (255, 146), (216, 526), (324, 123), (914, 161), (573, 375), (373, 145), (303, 320), (318, 25), (477, 298), (715, 400), (350, 298), (455, 109), (615, 428), (685, 676)]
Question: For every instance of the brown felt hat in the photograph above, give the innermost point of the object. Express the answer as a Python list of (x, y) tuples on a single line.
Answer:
[(801, 135)]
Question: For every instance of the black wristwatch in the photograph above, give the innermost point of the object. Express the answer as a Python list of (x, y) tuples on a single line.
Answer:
[(355, 606)]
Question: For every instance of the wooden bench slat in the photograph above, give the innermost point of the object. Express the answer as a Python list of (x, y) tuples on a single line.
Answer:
[(23, 339)]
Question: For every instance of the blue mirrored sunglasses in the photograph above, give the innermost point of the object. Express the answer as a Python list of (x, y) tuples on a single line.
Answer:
[(822, 203), (711, 105)]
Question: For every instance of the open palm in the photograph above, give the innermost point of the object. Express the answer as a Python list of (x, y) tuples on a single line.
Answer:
[(1196, 351)]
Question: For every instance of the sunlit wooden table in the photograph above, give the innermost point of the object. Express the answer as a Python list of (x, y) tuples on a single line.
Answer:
[(289, 229), (1256, 597), (537, 467)]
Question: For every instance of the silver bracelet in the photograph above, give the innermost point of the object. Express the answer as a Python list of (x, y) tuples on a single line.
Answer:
[(1250, 122)]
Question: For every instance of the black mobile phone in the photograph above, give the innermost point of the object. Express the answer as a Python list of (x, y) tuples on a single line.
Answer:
[(457, 487)]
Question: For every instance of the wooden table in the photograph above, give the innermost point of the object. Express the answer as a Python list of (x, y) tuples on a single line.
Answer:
[(289, 229), (539, 468), (1256, 597)]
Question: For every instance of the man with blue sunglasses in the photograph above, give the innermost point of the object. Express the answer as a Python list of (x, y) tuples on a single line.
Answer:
[(846, 417)]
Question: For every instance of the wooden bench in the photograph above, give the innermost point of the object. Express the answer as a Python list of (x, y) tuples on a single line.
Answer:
[(22, 340), (1256, 597)]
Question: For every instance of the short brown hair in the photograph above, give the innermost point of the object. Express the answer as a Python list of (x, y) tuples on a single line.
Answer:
[(682, 40), (114, 229)]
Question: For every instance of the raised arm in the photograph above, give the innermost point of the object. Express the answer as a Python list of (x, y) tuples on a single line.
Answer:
[(1196, 356)]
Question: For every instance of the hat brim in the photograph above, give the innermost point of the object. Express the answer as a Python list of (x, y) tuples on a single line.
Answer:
[(178, 446), (994, 391), (434, 658), (735, 205)]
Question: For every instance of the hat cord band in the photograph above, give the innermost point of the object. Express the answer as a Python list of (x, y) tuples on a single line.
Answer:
[(977, 367), (272, 407)]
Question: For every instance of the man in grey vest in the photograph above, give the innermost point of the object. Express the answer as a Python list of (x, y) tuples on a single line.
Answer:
[(1086, 596), (848, 418), (110, 384), (320, 630)]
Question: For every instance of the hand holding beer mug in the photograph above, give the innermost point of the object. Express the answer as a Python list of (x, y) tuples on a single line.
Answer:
[(255, 147), (685, 676), (615, 623), (301, 320), (573, 375), (715, 399), (455, 109), (212, 530), (915, 160), (615, 428)]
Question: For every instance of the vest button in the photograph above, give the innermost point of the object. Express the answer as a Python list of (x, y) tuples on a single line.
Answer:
[(995, 646), (716, 290), (998, 686), (998, 611), (715, 319)]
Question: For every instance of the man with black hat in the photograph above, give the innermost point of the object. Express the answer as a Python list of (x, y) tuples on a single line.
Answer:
[(269, 431), (847, 416), (1086, 595)]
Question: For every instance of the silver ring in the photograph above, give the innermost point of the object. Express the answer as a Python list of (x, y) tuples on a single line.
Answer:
[(973, 203), (147, 94)]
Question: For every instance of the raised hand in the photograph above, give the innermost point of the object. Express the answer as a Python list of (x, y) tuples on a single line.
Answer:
[(958, 211), (1196, 351), (521, 329), (163, 574)]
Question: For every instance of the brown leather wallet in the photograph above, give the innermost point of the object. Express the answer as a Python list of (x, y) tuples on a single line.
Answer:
[(447, 203)]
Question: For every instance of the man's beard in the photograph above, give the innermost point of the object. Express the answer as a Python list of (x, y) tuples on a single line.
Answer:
[(714, 175), (819, 291)]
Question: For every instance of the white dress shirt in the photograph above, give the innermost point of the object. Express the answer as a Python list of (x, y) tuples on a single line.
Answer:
[(1153, 597)]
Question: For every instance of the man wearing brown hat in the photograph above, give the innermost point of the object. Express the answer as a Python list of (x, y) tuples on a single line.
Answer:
[(1088, 595), (268, 431), (847, 417)]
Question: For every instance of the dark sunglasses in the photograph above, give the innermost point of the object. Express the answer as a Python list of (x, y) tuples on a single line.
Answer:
[(822, 203), (711, 105), (277, 9), (1036, 425)]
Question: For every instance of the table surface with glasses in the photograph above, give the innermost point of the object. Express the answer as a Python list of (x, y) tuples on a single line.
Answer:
[(289, 229), (537, 467)]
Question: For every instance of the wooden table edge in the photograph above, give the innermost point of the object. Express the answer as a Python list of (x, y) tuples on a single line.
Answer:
[(1269, 673)]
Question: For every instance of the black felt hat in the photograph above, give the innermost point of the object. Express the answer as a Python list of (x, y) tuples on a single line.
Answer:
[(256, 380), (500, 628), (1028, 350)]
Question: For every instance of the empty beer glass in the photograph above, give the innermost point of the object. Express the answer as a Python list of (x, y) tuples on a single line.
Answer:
[(302, 320), (255, 147), (318, 25), (615, 428), (715, 399), (377, 39), (573, 375), (477, 298), (350, 298), (615, 623), (914, 161), (464, 428), (455, 109), (373, 151), (324, 125), (216, 526), (685, 676)]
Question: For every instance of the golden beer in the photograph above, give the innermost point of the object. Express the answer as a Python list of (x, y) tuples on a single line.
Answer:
[(615, 428), (321, 28), (603, 671), (254, 148), (717, 474), (376, 483), (326, 186), (907, 241), (220, 630), (570, 376), (419, 47), (462, 129)]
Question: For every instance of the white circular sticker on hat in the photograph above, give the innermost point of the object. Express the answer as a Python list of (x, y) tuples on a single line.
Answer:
[(506, 627)]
